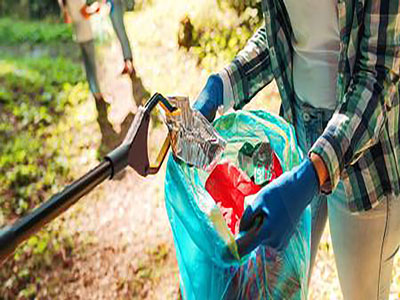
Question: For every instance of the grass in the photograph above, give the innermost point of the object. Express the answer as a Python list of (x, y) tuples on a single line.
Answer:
[(15, 32), (40, 99), (34, 95)]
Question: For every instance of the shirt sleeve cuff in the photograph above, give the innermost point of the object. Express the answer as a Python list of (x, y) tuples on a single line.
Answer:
[(326, 150)]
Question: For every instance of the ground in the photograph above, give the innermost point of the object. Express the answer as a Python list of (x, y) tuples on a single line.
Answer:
[(129, 251)]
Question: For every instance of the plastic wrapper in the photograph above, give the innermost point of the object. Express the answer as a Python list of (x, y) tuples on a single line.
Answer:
[(259, 162), (193, 139), (202, 236), (229, 186)]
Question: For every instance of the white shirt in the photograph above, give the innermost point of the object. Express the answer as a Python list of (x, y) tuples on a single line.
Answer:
[(316, 50)]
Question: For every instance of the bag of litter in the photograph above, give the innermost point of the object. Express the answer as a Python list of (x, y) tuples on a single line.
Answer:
[(260, 146)]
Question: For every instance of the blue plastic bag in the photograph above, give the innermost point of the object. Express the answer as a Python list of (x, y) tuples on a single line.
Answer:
[(202, 237)]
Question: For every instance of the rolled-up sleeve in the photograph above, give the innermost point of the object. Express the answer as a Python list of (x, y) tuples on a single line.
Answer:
[(358, 121), (248, 73)]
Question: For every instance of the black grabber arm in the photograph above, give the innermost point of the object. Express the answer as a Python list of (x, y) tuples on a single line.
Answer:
[(132, 152)]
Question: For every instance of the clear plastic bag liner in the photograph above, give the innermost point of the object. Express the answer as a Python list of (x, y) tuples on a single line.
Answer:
[(202, 237)]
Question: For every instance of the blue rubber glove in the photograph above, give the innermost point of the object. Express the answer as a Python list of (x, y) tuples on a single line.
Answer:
[(272, 218), (210, 98)]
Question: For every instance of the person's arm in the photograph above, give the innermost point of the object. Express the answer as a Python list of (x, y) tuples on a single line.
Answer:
[(358, 121), (64, 11), (354, 127), (249, 72), (236, 84), (320, 168), (61, 4)]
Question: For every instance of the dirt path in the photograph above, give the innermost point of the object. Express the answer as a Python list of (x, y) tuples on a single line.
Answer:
[(130, 253)]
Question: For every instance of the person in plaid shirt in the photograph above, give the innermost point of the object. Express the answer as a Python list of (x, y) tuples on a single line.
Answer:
[(336, 64)]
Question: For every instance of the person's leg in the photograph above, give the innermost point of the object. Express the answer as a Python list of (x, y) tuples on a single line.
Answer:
[(107, 131), (109, 138), (84, 38), (319, 216), (364, 245), (89, 62), (117, 20)]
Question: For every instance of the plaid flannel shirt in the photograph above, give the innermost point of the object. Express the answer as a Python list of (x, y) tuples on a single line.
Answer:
[(361, 143)]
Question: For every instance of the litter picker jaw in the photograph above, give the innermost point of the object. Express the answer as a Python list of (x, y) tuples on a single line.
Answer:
[(132, 151)]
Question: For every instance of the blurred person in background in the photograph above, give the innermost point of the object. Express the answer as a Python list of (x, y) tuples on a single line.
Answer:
[(78, 12), (336, 64)]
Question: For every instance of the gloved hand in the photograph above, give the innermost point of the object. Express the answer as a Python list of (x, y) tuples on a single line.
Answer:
[(273, 216), (210, 98)]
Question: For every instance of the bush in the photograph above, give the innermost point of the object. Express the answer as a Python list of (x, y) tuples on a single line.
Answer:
[(39, 143), (29, 8), (34, 96), (215, 38), (15, 32), (40, 9), (249, 10)]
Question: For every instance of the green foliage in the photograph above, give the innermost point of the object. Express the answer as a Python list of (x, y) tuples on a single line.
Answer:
[(33, 96), (40, 9), (215, 39), (219, 43), (29, 8), (48, 249), (249, 11), (16, 32)]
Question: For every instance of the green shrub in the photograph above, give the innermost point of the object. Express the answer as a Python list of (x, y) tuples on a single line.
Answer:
[(14, 32), (30, 8), (216, 39), (250, 11), (34, 96)]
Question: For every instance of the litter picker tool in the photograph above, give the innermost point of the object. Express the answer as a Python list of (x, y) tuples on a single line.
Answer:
[(193, 140), (132, 152)]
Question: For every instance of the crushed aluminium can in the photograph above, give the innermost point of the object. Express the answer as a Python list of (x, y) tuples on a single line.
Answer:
[(193, 139)]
